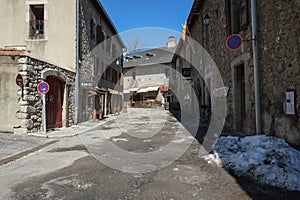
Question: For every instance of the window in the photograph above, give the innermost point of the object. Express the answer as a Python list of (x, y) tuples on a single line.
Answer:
[(149, 55), (100, 35), (244, 14), (186, 73), (167, 72), (237, 12), (114, 51), (36, 22), (92, 29), (133, 75), (108, 44)]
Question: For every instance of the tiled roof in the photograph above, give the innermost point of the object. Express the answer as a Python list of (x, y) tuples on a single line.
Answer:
[(11, 52), (149, 57)]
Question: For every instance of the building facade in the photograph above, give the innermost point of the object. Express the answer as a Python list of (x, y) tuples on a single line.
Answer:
[(37, 44), (147, 75), (278, 71), (100, 68)]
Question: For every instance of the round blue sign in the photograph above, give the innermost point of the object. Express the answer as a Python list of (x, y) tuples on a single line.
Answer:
[(234, 41), (43, 87)]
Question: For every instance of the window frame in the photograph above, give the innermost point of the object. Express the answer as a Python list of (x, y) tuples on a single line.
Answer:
[(28, 18)]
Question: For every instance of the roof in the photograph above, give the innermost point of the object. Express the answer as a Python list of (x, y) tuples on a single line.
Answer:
[(11, 52), (161, 55)]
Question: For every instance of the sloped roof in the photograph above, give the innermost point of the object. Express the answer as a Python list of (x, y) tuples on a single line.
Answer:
[(161, 55)]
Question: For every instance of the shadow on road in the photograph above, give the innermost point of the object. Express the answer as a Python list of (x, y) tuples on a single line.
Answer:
[(254, 189)]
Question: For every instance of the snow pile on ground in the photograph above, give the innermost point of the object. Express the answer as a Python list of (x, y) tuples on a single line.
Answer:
[(268, 160)]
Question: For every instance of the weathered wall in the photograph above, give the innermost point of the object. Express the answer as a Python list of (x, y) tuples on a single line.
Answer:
[(60, 28), (8, 93), (279, 39), (93, 66), (279, 47), (146, 76), (30, 107)]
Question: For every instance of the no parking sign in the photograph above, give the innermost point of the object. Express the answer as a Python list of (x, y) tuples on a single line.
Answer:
[(234, 41), (43, 87)]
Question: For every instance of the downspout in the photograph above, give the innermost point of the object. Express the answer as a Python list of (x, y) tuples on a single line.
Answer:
[(256, 65), (77, 64)]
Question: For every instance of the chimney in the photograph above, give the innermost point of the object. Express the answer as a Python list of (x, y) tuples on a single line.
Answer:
[(171, 41)]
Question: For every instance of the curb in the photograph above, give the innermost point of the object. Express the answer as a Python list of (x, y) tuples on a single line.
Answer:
[(78, 129)]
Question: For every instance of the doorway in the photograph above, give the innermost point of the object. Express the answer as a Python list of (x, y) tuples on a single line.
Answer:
[(240, 98), (54, 102)]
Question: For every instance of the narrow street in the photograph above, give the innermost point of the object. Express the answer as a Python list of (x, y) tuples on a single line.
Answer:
[(71, 168), (83, 167)]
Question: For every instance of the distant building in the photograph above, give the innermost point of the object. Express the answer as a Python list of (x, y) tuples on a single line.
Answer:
[(147, 74), (39, 40), (278, 65)]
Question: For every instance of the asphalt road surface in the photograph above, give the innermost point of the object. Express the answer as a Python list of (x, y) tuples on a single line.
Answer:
[(142, 154)]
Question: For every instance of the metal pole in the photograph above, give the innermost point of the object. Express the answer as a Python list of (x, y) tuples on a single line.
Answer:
[(44, 114), (256, 66), (77, 64)]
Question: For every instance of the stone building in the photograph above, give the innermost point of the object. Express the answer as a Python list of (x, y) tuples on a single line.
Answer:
[(147, 74), (39, 40), (278, 85), (100, 68)]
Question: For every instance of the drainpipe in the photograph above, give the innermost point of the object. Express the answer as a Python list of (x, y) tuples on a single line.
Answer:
[(256, 65), (77, 64)]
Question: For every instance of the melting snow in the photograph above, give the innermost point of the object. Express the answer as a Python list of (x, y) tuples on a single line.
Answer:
[(267, 159)]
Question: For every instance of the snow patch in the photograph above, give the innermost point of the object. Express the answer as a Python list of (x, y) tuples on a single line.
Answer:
[(267, 159)]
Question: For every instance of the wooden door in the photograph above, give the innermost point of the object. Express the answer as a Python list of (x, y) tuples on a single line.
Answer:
[(54, 103)]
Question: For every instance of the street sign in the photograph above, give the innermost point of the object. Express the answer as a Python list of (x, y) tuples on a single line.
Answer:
[(43, 87), (234, 41), (19, 80)]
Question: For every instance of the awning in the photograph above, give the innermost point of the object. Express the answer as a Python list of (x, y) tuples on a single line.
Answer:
[(126, 91), (143, 90), (155, 88), (133, 89), (148, 89), (114, 92)]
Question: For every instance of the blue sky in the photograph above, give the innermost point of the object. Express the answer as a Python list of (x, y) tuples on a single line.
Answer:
[(132, 16)]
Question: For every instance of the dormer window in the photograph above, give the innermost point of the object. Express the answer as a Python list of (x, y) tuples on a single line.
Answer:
[(150, 55), (36, 22), (136, 57)]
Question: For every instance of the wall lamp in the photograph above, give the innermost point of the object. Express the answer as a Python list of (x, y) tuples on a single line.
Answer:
[(206, 19)]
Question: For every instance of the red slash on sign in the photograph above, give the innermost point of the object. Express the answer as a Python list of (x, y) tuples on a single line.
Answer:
[(234, 41), (43, 87)]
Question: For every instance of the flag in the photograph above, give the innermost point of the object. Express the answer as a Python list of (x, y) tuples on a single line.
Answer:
[(185, 37), (183, 34)]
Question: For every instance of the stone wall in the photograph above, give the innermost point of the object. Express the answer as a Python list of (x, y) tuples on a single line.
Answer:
[(279, 49), (96, 55), (279, 39), (30, 107)]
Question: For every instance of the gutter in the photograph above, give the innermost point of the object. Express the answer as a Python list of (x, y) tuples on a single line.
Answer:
[(77, 64), (256, 65)]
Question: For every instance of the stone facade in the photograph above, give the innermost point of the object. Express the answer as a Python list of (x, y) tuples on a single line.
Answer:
[(278, 39), (30, 106), (41, 46), (100, 85)]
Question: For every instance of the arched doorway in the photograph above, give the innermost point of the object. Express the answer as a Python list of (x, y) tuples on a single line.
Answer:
[(54, 102)]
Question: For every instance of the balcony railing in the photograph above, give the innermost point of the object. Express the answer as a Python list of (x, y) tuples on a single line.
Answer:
[(36, 29)]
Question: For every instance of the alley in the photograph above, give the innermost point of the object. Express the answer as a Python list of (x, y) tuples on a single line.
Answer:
[(73, 167)]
